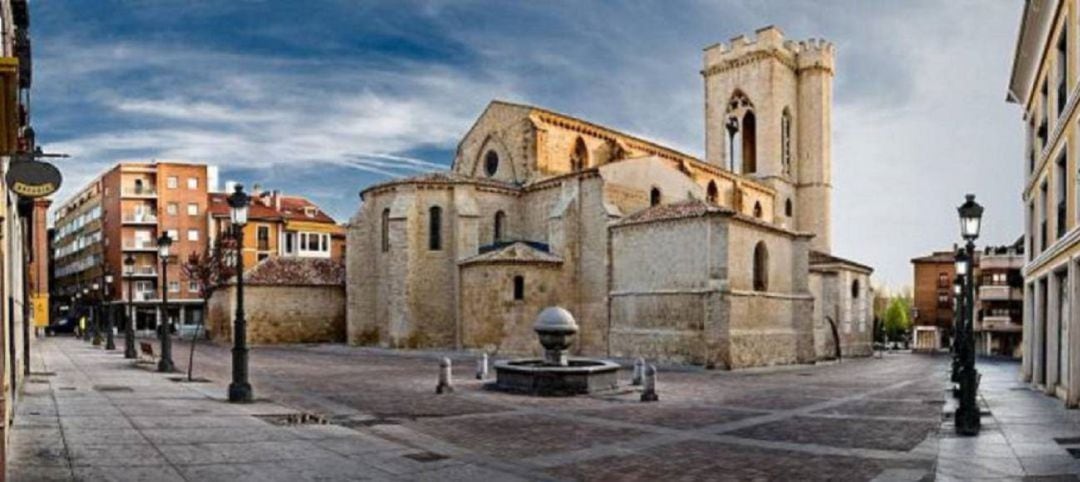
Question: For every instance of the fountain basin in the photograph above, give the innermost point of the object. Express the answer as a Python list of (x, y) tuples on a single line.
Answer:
[(535, 376)]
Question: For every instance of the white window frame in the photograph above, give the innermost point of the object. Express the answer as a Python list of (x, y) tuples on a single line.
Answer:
[(193, 209), (193, 235), (192, 183), (172, 182)]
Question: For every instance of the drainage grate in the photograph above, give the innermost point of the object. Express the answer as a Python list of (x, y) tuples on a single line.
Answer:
[(1068, 440), (298, 418), (112, 388), (371, 422), (42, 374), (426, 457), (193, 380)]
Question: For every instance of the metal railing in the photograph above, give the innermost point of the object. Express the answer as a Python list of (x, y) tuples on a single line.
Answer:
[(145, 191), (140, 218), (133, 244)]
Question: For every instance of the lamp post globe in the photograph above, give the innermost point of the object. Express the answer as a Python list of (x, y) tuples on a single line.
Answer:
[(129, 329), (970, 218), (106, 287), (240, 389), (165, 363)]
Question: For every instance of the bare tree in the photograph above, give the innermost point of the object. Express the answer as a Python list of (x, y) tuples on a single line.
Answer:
[(209, 271)]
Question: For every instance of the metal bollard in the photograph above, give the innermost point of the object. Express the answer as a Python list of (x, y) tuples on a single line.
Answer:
[(649, 395), (482, 367), (444, 377), (639, 371)]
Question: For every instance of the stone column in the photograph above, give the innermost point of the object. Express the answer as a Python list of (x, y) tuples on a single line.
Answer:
[(1072, 384), (1028, 334), (1053, 312), (1037, 324)]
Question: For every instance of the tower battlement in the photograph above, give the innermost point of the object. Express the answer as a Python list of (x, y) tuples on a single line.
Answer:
[(770, 41)]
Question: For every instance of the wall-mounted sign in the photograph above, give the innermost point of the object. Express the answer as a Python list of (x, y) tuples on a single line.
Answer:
[(33, 179)]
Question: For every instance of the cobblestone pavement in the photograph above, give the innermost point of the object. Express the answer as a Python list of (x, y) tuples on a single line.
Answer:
[(859, 420)]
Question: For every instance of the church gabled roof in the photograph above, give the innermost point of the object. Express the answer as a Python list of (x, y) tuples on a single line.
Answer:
[(684, 209), (441, 177), (515, 252), (819, 258)]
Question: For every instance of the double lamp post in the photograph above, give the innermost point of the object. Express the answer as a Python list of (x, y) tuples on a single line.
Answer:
[(966, 417)]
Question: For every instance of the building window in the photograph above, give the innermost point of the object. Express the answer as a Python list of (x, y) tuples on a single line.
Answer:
[(579, 159), (943, 281), (1062, 186), (174, 287), (491, 163), (761, 267), (192, 183), (193, 235), (173, 182), (172, 208), (173, 234), (749, 142), (1045, 200), (193, 287), (435, 228), (712, 193), (325, 243), (1062, 70), (742, 132), (654, 196), (138, 186), (785, 140), (290, 243), (262, 233), (943, 302), (262, 256), (385, 228), (500, 224), (519, 287), (789, 210), (193, 209), (855, 290), (757, 210), (1044, 99)]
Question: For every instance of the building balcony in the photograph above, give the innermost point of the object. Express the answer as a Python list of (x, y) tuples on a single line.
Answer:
[(144, 296), (999, 293), (1001, 262), (149, 246), (141, 272), (143, 193), (140, 219), (1000, 324)]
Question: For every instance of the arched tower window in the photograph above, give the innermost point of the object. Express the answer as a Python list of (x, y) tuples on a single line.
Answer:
[(500, 225), (579, 158), (435, 228), (789, 210), (749, 143), (654, 196), (785, 141), (385, 228), (712, 193), (757, 210), (761, 267), (491, 163), (519, 287), (855, 289)]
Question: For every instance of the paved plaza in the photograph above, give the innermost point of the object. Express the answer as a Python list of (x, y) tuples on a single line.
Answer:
[(86, 414)]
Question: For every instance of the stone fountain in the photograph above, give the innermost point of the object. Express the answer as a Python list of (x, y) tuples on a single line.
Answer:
[(556, 374)]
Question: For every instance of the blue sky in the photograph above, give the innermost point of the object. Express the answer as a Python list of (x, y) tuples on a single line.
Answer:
[(322, 98)]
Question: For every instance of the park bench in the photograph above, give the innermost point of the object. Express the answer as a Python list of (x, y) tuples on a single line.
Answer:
[(146, 349)]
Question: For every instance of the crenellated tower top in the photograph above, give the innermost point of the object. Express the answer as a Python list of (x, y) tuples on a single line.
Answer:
[(769, 42)]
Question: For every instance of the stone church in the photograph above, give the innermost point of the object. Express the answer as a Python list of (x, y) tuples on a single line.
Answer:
[(724, 261)]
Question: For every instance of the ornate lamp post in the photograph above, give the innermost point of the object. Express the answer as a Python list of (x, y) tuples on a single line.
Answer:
[(129, 322), (239, 389), (967, 414), (107, 310), (165, 364), (78, 312), (85, 299), (95, 288)]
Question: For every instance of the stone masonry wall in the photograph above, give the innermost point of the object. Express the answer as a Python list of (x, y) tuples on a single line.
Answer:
[(281, 314)]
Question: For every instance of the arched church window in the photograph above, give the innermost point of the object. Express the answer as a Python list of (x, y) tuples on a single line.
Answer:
[(435, 228), (855, 290), (654, 196), (579, 158), (789, 210), (785, 141), (757, 210), (385, 228), (491, 163), (761, 267), (519, 287), (749, 141), (711, 192), (500, 224)]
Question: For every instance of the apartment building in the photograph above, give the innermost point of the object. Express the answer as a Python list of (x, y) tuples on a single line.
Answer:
[(1044, 83), (122, 212), (999, 301), (280, 225), (934, 301)]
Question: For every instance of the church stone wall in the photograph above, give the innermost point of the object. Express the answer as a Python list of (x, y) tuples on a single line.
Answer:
[(492, 320)]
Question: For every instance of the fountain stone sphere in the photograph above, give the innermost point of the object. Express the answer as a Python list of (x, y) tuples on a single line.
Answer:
[(556, 374)]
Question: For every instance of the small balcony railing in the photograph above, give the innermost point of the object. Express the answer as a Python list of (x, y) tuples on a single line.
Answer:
[(140, 219), (137, 271), (144, 296), (138, 192), (134, 245), (999, 293)]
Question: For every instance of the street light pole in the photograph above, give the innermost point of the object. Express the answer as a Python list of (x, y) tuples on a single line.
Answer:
[(129, 329), (107, 308), (86, 307), (967, 414), (165, 364), (96, 289), (240, 388)]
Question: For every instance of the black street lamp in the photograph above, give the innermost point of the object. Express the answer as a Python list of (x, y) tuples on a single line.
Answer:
[(129, 323), (958, 322), (239, 389), (967, 414), (165, 364), (78, 313), (95, 289), (86, 307), (107, 309)]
